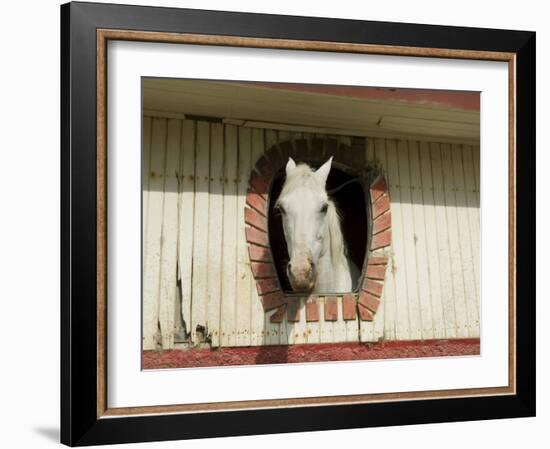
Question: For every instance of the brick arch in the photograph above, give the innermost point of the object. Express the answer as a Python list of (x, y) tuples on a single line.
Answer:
[(366, 300)]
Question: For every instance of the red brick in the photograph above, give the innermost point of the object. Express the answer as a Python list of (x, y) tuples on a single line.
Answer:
[(381, 205), (373, 287), (381, 223), (259, 253), (254, 218), (378, 188), (272, 300), (263, 270), (254, 235), (259, 184), (312, 310), (293, 310), (267, 285), (376, 271), (257, 202), (277, 317), (331, 308), (378, 260), (349, 308), (381, 240), (365, 314), (369, 301)]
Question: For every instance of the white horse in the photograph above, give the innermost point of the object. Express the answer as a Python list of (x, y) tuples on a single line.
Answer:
[(318, 259)]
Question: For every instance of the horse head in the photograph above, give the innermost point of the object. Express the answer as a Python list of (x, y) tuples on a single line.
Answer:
[(305, 208)]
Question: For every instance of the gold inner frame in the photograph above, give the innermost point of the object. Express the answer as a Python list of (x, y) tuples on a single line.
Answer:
[(104, 35)]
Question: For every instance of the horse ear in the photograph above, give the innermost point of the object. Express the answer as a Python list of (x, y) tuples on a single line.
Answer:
[(323, 171), (290, 166)]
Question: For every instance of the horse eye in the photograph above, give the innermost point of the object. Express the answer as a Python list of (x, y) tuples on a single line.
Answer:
[(324, 208)]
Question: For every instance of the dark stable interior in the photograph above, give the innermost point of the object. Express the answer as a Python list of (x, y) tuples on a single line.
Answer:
[(351, 204)]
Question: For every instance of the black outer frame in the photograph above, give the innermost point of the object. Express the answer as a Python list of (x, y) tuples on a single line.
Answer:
[(79, 422)]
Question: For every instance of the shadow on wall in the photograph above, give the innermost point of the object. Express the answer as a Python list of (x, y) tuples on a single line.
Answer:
[(428, 173)]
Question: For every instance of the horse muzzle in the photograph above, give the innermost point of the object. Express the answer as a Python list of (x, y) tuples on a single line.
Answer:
[(302, 275)]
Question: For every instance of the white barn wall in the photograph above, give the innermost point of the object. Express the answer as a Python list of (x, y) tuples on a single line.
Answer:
[(196, 268)]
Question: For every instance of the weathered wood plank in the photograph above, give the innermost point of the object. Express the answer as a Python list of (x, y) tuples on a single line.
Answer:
[(445, 267), (186, 220), (370, 154), (300, 326), (244, 275), (145, 170), (340, 327), (454, 242), (231, 202), (199, 306), (215, 223), (432, 248), (152, 247), (403, 331), (420, 240), (168, 261), (472, 207), (409, 240), (465, 242)]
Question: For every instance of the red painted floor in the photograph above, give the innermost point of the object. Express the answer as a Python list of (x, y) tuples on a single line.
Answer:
[(186, 358)]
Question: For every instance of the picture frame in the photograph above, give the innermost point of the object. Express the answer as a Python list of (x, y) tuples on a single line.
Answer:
[(86, 28)]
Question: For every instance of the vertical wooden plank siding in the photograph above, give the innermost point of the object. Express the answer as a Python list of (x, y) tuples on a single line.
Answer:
[(432, 247), (472, 207), (215, 224), (148, 328), (231, 201), (420, 242), (145, 170), (151, 246), (459, 299), (409, 240), (199, 301), (473, 154), (465, 239), (401, 317), (244, 276), (168, 260), (186, 219), (195, 181)]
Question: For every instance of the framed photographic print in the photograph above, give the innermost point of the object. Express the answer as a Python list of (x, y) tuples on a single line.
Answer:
[(275, 224)]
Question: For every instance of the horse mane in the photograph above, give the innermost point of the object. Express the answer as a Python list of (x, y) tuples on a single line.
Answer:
[(338, 248), (303, 175)]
